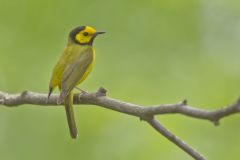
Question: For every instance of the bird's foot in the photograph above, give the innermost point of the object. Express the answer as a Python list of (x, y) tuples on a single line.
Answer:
[(82, 91)]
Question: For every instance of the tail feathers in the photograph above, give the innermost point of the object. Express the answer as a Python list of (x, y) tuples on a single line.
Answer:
[(70, 116)]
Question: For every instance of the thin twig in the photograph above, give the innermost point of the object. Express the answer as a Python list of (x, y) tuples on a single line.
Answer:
[(166, 133)]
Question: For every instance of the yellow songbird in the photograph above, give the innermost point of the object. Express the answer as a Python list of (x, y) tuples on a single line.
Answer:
[(72, 68)]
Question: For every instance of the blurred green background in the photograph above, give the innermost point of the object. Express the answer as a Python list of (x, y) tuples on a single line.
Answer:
[(154, 52)]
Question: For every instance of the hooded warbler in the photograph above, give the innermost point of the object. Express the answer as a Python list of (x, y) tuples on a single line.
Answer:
[(72, 68)]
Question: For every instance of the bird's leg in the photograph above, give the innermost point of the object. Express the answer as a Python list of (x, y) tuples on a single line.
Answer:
[(82, 91)]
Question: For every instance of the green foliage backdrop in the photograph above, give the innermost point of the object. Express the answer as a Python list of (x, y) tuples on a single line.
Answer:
[(154, 52)]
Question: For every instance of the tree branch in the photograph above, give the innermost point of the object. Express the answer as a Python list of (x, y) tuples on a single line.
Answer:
[(145, 113), (155, 124)]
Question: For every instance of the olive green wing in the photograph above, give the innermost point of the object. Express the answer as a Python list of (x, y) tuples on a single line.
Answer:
[(74, 72)]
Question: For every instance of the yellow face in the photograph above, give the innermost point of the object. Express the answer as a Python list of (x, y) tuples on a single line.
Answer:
[(86, 35), (83, 35)]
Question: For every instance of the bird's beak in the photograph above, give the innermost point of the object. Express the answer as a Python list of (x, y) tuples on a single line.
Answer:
[(97, 33)]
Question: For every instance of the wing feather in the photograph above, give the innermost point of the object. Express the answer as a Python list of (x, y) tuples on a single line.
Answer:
[(75, 71)]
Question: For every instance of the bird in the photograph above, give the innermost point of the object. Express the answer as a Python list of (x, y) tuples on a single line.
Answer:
[(72, 68)]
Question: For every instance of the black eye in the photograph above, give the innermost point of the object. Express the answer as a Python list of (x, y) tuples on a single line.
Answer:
[(85, 33)]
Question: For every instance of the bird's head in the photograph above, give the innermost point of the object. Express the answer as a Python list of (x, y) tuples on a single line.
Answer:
[(83, 35)]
